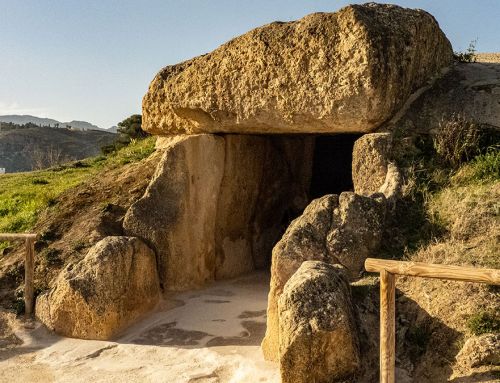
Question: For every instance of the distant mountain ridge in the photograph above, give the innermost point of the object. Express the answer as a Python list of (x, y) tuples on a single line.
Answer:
[(26, 119)]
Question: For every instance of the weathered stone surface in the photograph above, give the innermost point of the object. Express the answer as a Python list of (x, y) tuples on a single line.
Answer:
[(318, 339), (216, 206), (111, 287), (243, 172), (303, 240), (356, 230), (468, 89), (254, 197), (176, 214), (370, 160), (347, 71), (393, 183), (343, 229), (480, 351)]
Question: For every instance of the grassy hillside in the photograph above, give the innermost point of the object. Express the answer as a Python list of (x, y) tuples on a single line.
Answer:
[(446, 216), (23, 196), (70, 207), (450, 214)]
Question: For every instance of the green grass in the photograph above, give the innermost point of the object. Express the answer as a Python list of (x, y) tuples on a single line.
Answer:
[(483, 168), (440, 201), (23, 196), (484, 322)]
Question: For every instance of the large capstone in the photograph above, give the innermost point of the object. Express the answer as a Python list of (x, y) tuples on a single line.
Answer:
[(347, 71)]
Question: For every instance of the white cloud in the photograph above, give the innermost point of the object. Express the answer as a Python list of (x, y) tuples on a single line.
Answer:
[(16, 108)]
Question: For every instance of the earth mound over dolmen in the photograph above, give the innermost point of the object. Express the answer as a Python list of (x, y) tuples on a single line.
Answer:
[(238, 128)]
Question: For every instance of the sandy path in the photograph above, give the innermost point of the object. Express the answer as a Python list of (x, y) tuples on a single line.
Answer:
[(208, 335)]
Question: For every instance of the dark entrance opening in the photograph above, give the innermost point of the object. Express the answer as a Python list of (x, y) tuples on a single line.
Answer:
[(332, 164)]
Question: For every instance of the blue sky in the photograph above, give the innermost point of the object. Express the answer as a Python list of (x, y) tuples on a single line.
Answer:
[(93, 59)]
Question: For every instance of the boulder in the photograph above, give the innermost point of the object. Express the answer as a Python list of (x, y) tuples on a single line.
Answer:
[(347, 71), (343, 229), (176, 214), (480, 351), (371, 157), (356, 230), (106, 291), (318, 339)]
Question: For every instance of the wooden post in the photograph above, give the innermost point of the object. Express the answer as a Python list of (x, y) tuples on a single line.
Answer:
[(387, 327), (28, 277), (29, 266), (428, 270), (388, 269)]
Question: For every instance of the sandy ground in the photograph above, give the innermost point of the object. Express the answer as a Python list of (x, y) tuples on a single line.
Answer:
[(209, 335)]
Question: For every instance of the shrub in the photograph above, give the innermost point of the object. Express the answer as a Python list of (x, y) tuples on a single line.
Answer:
[(80, 164), (129, 130), (79, 246), (52, 257), (39, 181), (418, 339), (457, 141), (484, 322), (18, 306), (487, 166), (469, 56)]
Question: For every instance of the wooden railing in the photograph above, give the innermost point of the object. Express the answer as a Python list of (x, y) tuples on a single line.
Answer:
[(388, 271), (29, 267)]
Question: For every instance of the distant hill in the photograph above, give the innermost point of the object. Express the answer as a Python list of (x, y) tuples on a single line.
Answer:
[(29, 147), (83, 125), (27, 119)]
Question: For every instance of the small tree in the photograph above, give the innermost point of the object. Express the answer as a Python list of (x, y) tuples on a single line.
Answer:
[(132, 127), (457, 141), (469, 56), (128, 130)]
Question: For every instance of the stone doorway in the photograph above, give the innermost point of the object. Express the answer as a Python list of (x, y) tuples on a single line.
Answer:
[(219, 203)]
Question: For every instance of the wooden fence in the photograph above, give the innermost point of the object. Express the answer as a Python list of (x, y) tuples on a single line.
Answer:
[(388, 271), (29, 267)]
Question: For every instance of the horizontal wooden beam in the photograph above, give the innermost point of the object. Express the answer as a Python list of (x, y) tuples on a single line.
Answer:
[(428, 270), (16, 236)]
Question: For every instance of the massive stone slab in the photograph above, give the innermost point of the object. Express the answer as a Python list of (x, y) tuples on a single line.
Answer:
[(239, 191), (176, 214), (347, 71), (106, 291), (318, 339)]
